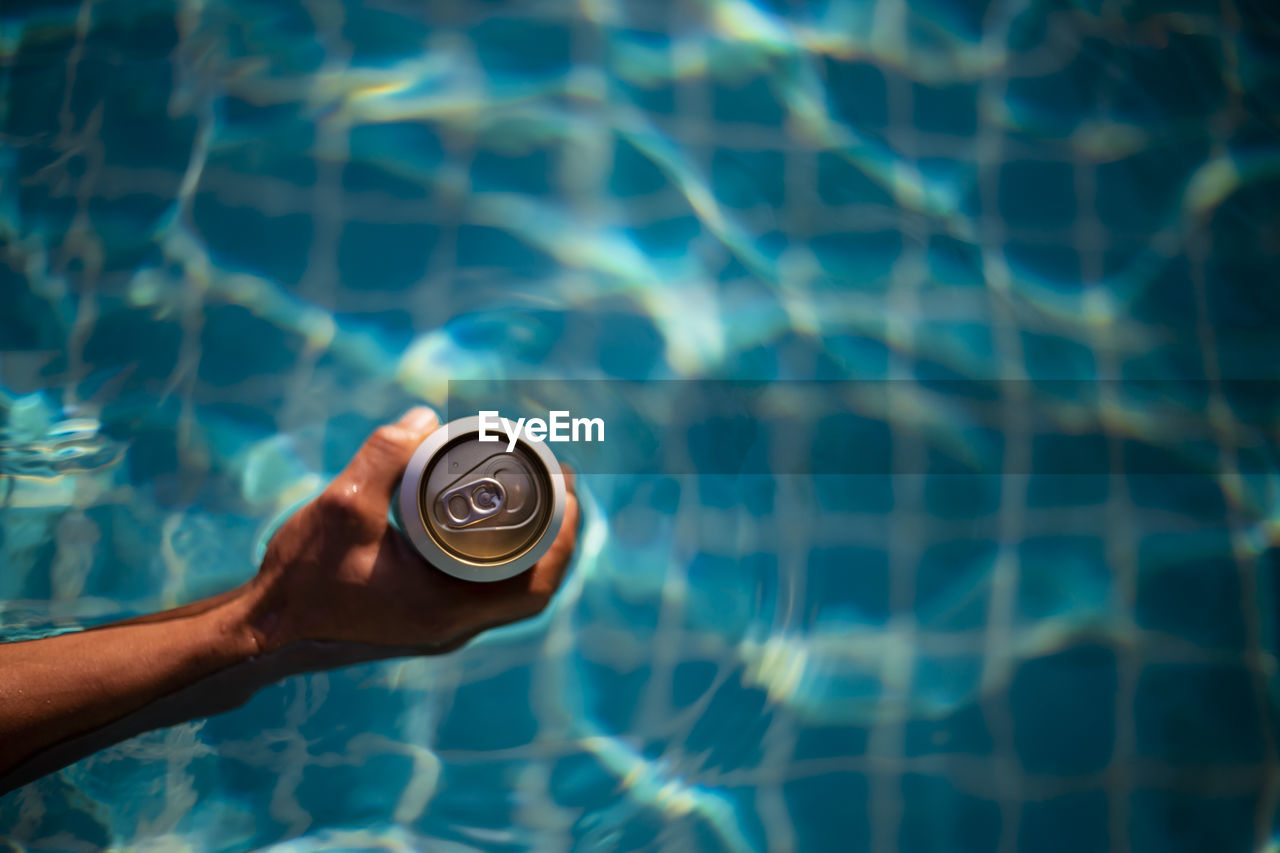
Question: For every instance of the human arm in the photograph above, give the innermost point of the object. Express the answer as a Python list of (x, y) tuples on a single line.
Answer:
[(338, 585)]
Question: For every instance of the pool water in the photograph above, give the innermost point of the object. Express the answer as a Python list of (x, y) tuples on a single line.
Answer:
[(237, 236)]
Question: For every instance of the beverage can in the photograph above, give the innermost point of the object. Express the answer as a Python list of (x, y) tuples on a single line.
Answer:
[(474, 509)]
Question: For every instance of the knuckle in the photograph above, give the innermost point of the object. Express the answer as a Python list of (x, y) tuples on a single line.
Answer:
[(539, 597), (388, 437), (341, 502)]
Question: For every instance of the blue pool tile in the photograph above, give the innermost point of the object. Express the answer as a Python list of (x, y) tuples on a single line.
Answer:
[(528, 172), (1052, 104), (954, 263), (1142, 9), (743, 179), (941, 344), (728, 735), (668, 238), (949, 108), (1249, 353), (951, 589), (938, 817), (869, 493), (286, 36), (130, 131), (654, 90), (1061, 575), (514, 49), (758, 495), (132, 338), (35, 87), (1063, 708), (476, 721), (634, 172), (859, 355), (827, 807), (1028, 28), (154, 454), (483, 795), (966, 18), (44, 211), (712, 832), (239, 238), (1090, 487), (65, 814), (480, 246), (941, 685), (848, 586), (1162, 821), (223, 336), (729, 593), (633, 830), (612, 693), (277, 152), (861, 260), (1138, 193), (1037, 194), (750, 101), (845, 443), (964, 731), (1056, 268), (844, 181), (1181, 80), (28, 576), (361, 178), (1254, 403), (1160, 481), (630, 345), (1171, 362), (1235, 301), (1198, 714), (1069, 466), (378, 36), (1066, 824), (823, 741), (1266, 572), (385, 257), (949, 493), (411, 143), (691, 680), (340, 795), (580, 780), (750, 492), (1189, 587), (858, 93), (794, 356), (634, 523), (728, 445)]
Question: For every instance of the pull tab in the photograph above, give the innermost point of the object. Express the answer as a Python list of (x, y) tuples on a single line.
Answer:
[(471, 502)]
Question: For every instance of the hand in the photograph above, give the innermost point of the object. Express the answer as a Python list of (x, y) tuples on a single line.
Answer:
[(338, 586), (338, 571)]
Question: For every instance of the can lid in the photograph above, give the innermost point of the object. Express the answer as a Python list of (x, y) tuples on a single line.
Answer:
[(476, 511), (482, 504)]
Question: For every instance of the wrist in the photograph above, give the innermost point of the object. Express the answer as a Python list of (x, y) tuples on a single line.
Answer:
[(252, 620)]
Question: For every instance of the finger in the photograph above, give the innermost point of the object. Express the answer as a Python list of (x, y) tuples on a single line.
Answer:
[(470, 608), (373, 474), (570, 478), (547, 574)]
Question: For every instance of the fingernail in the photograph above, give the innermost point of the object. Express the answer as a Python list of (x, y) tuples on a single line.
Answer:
[(419, 419)]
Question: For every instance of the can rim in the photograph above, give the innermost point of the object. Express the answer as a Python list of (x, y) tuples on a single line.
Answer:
[(414, 527)]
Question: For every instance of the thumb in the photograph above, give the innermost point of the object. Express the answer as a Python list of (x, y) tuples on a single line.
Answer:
[(375, 471)]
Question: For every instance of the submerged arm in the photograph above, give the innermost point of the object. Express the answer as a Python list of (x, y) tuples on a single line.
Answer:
[(337, 586)]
